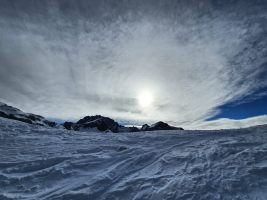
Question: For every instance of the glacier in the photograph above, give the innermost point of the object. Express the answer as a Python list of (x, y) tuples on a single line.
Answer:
[(38, 162)]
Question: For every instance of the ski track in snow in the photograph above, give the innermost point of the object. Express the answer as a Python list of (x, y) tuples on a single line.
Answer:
[(46, 163)]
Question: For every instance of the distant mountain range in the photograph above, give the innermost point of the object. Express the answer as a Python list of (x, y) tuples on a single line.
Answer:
[(88, 123)]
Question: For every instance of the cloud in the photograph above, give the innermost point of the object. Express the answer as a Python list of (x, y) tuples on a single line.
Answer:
[(66, 60), (230, 123)]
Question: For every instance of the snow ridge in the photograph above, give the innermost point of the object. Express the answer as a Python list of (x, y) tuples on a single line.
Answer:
[(10, 112)]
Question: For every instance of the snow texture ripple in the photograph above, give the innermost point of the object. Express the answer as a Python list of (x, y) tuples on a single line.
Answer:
[(48, 163)]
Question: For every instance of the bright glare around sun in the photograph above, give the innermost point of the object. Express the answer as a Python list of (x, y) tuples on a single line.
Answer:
[(145, 98)]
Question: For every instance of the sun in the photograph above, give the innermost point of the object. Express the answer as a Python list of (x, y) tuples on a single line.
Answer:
[(145, 98)]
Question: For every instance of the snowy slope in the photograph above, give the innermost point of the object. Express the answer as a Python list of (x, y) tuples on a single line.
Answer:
[(10, 112), (45, 163)]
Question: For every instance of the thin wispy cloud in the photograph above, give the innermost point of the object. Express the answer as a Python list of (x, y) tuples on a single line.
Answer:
[(230, 123), (69, 60)]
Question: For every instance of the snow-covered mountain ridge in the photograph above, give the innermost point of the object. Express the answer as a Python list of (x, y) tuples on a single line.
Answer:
[(10, 112), (46, 163), (87, 123)]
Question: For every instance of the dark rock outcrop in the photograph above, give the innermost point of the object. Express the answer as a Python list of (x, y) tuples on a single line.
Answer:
[(159, 126), (49, 123), (10, 112), (145, 127), (133, 129), (97, 121), (100, 123), (68, 125)]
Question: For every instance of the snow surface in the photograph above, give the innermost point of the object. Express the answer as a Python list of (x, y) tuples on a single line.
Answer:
[(47, 163)]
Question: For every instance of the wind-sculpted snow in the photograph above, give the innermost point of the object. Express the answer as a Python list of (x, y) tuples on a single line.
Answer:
[(48, 163)]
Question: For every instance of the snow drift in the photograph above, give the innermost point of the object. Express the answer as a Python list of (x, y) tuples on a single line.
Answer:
[(39, 162)]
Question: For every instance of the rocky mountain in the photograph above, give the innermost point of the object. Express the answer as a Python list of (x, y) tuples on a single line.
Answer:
[(100, 123), (96, 122), (88, 123), (10, 112), (159, 126)]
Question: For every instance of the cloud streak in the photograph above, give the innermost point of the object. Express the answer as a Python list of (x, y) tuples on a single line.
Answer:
[(67, 60), (225, 123)]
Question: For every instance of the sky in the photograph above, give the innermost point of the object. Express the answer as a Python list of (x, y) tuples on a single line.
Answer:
[(192, 63)]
